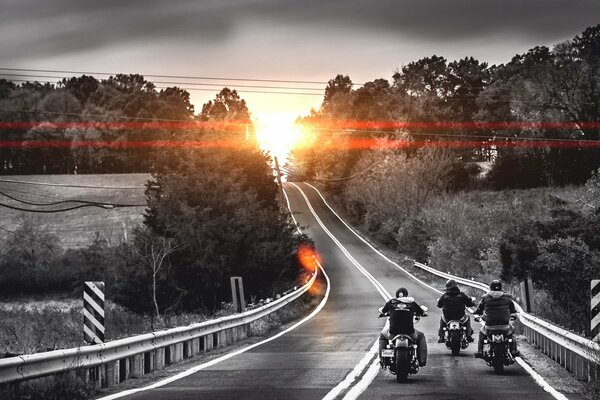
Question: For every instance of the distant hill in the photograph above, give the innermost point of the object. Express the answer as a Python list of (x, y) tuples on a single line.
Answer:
[(78, 227)]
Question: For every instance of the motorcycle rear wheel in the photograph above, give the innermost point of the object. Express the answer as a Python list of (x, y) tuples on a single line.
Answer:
[(455, 343), (401, 364), (498, 361)]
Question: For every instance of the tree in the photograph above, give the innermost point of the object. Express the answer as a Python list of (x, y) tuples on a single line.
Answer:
[(337, 91), (227, 106), (29, 257), (80, 87), (391, 186), (153, 250)]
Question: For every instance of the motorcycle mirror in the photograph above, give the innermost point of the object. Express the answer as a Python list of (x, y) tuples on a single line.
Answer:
[(424, 308), (380, 309)]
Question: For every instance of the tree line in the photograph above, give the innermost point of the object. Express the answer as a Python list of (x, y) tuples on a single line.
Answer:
[(432, 163), (213, 212), (498, 113), (86, 125)]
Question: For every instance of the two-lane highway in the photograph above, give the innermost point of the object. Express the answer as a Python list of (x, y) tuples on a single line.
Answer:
[(315, 360)]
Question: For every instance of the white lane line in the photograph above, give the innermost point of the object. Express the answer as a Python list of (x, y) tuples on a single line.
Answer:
[(353, 394), (197, 368), (384, 293), (226, 356), (541, 381), (362, 385), (345, 384), (369, 244), (360, 367)]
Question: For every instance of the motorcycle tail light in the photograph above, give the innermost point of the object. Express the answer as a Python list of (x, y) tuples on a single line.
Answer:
[(510, 340)]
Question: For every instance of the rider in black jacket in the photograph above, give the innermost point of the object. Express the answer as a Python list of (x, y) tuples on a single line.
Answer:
[(405, 325), (496, 308), (453, 304)]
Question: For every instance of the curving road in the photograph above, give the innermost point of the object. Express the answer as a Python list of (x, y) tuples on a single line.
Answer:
[(310, 361)]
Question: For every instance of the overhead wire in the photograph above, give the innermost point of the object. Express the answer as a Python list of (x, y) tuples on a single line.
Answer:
[(71, 185), (191, 77), (104, 204)]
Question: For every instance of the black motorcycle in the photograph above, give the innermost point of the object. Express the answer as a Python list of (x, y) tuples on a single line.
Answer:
[(497, 344), (400, 354), (455, 335)]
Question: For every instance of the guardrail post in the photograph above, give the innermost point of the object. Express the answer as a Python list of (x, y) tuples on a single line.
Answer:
[(195, 346), (137, 365), (176, 352), (123, 369), (209, 341), (148, 361), (112, 373), (159, 358)]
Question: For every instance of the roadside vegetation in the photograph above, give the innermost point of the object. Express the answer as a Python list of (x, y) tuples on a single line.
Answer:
[(482, 171), (210, 213)]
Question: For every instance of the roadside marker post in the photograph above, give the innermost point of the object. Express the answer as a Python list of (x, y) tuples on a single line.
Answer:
[(527, 294), (93, 312), (237, 294), (595, 310)]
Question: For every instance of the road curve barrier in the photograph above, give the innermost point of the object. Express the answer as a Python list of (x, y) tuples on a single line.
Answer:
[(109, 363), (575, 353)]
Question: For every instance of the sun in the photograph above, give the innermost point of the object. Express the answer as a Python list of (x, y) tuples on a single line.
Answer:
[(277, 134)]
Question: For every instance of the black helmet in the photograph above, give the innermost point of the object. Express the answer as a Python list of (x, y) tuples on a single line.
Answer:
[(403, 291), (451, 283), (495, 285)]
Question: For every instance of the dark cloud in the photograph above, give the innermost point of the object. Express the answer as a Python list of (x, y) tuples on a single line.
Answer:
[(38, 28)]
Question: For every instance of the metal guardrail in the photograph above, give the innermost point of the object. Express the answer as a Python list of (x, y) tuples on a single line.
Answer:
[(575, 353), (112, 362)]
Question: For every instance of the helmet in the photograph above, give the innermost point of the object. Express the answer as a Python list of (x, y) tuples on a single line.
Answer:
[(451, 283), (495, 285), (403, 291)]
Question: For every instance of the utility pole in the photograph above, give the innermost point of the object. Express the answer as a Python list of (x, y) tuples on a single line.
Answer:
[(278, 171)]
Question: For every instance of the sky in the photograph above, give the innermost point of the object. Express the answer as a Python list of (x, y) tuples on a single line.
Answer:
[(299, 40)]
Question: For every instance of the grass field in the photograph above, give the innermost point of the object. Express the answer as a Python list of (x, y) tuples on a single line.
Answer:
[(76, 228)]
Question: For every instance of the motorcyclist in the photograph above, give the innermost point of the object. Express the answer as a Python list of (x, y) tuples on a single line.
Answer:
[(408, 307), (496, 308), (453, 304)]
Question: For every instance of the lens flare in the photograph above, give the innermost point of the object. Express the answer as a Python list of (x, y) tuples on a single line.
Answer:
[(277, 134), (307, 257)]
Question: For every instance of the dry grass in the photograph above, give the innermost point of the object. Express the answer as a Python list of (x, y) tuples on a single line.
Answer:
[(75, 228)]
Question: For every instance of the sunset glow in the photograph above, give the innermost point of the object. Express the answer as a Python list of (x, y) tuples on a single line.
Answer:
[(277, 134)]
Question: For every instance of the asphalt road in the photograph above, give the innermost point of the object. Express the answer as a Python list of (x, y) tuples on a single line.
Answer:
[(308, 362)]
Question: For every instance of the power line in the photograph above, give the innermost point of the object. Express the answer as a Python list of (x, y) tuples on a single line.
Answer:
[(212, 90), (103, 204), (164, 83), (73, 186), (98, 205), (172, 76)]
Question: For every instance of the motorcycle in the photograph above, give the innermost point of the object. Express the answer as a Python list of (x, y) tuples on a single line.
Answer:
[(455, 335), (497, 344), (400, 354)]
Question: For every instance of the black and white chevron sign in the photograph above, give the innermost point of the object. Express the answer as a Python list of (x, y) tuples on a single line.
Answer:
[(93, 312), (595, 310)]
